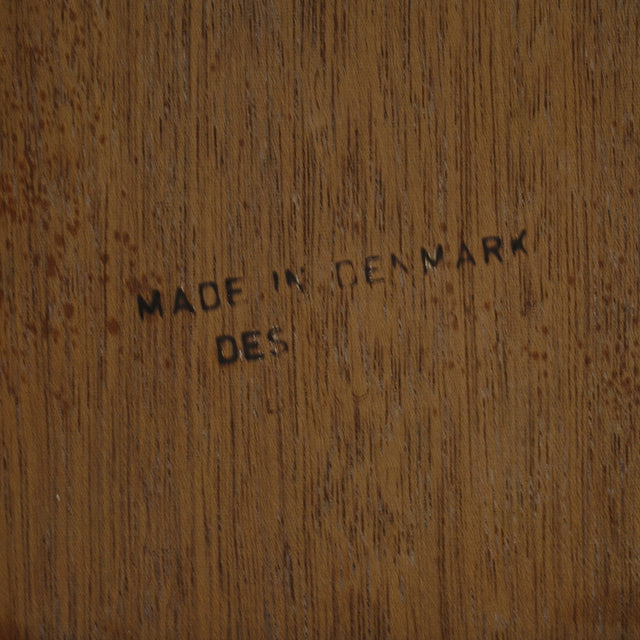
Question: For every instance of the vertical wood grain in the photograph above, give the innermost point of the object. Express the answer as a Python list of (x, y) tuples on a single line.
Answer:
[(446, 452)]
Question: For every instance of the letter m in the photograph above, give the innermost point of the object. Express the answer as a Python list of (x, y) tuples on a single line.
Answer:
[(150, 307), (429, 262)]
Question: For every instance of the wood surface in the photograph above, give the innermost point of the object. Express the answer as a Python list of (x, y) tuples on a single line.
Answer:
[(445, 450)]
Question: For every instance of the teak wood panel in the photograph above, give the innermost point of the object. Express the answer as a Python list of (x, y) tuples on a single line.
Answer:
[(393, 392)]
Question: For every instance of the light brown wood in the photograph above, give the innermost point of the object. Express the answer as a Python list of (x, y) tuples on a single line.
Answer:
[(450, 452)]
